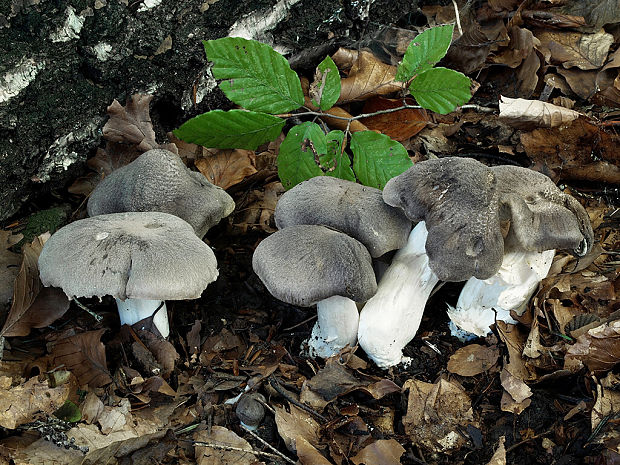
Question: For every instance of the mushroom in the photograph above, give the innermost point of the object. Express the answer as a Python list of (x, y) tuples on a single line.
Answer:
[(463, 205), (250, 410), (159, 181), (310, 264), (542, 219), (356, 210), (139, 258)]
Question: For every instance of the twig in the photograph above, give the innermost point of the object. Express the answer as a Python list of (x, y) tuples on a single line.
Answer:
[(236, 449), (514, 446), (277, 452), (307, 320), (276, 385), (458, 19), (87, 310)]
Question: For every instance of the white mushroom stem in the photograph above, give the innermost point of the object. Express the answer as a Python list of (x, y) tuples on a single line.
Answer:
[(133, 310), (336, 327), (391, 318), (509, 289)]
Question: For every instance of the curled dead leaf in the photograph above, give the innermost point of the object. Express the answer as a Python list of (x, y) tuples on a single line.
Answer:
[(472, 360), (225, 168)]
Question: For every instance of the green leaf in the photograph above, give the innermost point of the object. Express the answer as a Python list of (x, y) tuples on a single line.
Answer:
[(255, 76), (441, 90), (234, 129), (68, 412), (377, 158), (336, 162), (300, 154), (424, 52), (325, 89)]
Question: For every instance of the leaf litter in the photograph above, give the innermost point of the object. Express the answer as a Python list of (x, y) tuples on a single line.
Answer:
[(547, 385)]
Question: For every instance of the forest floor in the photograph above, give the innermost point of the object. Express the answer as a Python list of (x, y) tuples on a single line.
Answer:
[(75, 389)]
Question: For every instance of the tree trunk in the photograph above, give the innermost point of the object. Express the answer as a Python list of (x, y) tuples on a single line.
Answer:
[(64, 62)]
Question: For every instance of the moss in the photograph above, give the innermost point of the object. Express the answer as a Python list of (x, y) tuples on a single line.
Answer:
[(45, 220)]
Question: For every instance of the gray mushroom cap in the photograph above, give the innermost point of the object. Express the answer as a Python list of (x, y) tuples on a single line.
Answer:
[(356, 210), (458, 200), (159, 181), (464, 202), (134, 255), (542, 217), (305, 264)]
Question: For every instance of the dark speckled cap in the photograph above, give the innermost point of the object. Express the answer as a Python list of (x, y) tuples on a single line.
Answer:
[(305, 264), (135, 255)]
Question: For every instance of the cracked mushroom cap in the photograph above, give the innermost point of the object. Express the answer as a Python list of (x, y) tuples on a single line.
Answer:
[(304, 264), (159, 181), (356, 210), (134, 255), (458, 199), (464, 202)]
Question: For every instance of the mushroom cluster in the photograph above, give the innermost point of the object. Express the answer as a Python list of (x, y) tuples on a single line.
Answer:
[(329, 231), (493, 224), (142, 244)]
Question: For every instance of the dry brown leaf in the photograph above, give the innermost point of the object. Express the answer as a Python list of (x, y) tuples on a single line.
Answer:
[(598, 349), (19, 404), (129, 133), (163, 351), (84, 356), (222, 437), (33, 306), (520, 47), (499, 457), (574, 49), (472, 360), (228, 167), (383, 451), (297, 424), (367, 75), (113, 419), (515, 340), (517, 394), (91, 408), (436, 413), (587, 83), (334, 123), (336, 379), (308, 455), (527, 76), (399, 125), (9, 265), (580, 151), (522, 113), (255, 211), (193, 339), (607, 405)]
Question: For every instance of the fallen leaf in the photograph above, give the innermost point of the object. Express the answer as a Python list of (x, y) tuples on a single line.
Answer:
[(575, 49), (520, 47), (516, 395), (255, 211), (383, 451), (308, 455), (336, 379), (113, 419), (228, 167), (33, 306), (221, 436), (9, 264), (598, 349), (436, 413), (163, 351), (297, 424), (367, 75), (84, 356), (19, 404), (91, 408), (399, 125), (129, 132), (472, 360), (522, 113), (605, 409), (499, 456)]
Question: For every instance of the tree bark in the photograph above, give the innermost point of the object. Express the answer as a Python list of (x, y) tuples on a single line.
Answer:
[(64, 62)]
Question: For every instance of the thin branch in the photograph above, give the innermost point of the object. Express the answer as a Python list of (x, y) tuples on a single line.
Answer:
[(87, 310), (276, 385), (262, 441), (236, 449), (458, 19)]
